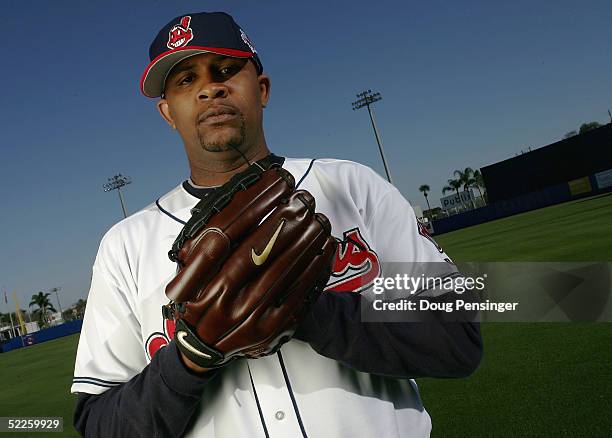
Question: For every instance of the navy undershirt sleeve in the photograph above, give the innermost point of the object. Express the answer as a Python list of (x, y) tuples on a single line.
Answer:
[(160, 401), (431, 348)]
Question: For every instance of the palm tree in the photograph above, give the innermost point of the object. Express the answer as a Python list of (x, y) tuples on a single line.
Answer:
[(479, 183), (466, 176), (425, 189), (44, 305), (453, 184), (79, 306)]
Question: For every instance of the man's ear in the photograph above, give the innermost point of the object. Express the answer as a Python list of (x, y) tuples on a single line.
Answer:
[(164, 111), (264, 89)]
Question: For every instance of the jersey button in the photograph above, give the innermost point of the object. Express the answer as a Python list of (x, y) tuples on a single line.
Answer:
[(279, 415)]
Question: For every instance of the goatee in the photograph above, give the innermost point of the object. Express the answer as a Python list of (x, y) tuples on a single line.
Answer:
[(226, 144)]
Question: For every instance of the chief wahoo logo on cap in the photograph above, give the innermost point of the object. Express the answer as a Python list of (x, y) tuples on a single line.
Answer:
[(180, 34)]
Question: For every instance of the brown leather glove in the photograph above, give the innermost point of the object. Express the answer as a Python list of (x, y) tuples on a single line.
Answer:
[(243, 284)]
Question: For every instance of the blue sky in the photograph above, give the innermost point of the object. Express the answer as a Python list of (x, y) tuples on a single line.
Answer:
[(463, 83)]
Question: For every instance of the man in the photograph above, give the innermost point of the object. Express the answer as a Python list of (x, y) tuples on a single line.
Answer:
[(339, 376)]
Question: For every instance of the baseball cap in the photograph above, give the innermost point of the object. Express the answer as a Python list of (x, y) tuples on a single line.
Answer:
[(189, 35)]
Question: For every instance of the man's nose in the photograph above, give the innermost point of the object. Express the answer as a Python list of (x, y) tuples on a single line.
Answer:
[(212, 90)]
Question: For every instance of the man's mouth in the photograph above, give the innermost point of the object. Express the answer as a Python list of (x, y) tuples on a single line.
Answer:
[(217, 115)]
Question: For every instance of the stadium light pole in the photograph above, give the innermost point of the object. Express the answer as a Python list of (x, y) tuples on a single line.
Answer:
[(9, 312), (56, 290), (366, 98), (116, 182)]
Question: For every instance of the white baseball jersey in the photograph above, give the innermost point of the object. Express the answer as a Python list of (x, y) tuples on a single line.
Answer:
[(124, 327)]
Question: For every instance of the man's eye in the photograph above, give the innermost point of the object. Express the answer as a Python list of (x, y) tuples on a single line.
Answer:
[(186, 80), (227, 70)]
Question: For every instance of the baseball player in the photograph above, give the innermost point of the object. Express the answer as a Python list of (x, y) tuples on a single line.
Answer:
[(337, 376)]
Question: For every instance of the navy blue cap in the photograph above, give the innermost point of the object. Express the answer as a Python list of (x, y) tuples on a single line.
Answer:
[(189, 35)]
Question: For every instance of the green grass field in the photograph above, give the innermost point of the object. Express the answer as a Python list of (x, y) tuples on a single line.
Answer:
[(535, 379), (571, 232), (36, 383)]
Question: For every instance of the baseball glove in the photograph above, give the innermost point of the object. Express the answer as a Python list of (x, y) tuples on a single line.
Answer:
[(251, 260)]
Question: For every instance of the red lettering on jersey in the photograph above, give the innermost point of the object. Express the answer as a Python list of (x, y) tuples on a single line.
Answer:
[(155, 342), (356, 264), (158, 340)]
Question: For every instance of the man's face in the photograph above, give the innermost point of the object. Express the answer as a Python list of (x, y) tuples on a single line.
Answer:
[(215, 102)]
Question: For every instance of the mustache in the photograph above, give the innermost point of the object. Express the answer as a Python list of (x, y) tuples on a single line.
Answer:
[(217, 110)]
